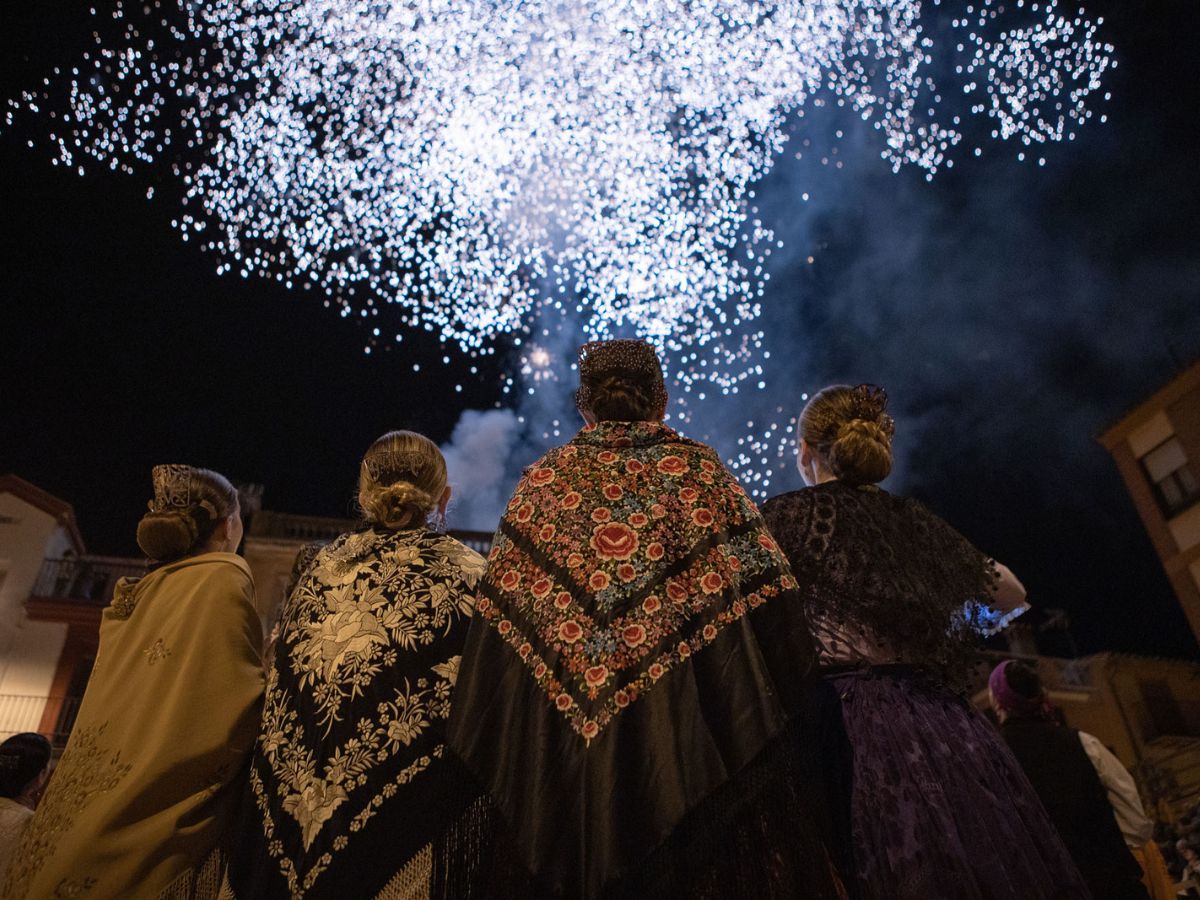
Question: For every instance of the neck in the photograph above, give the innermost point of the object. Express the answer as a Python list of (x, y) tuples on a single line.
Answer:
[(28, 799)]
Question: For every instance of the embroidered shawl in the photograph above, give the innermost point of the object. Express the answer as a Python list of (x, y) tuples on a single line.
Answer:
[(349, 782), (636, 641), (147, 787), (884, 579)]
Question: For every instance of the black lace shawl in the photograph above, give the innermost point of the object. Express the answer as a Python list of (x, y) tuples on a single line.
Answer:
[(884, 579)]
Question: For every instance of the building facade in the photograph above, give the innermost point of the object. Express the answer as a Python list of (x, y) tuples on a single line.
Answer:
[(34, 526), (1146, 710), (1157, 450)]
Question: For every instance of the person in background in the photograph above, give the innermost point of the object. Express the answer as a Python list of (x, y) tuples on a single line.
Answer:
[(24, 768), (1089, 795), (1189, 868), (351, 794), (930, 803), (144, 795), (637, 649)]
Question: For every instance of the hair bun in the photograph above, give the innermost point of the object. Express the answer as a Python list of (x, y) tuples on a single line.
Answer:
[(868, 428), (861, 453), (400, 504), (165, 536)]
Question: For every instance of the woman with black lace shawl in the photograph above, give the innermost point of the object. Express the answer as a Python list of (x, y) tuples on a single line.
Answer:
[(351, 793), (637, 645), (931, 804)]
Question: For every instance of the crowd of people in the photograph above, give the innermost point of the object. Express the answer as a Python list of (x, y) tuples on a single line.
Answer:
[(648, 689)]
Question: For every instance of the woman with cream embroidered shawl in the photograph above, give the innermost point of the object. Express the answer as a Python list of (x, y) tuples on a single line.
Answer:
[(145, 791), (351, 793), (637, 647)]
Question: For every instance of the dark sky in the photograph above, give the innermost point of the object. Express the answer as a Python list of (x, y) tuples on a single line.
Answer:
[(122, 348)]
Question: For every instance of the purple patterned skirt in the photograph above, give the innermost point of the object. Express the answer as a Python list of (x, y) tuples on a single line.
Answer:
[(931, 802)]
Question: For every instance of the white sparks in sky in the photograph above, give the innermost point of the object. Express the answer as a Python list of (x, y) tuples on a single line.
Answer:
[(470, 163)]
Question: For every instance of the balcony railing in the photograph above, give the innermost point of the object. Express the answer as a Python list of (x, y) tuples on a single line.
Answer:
[(88, 579), (479, 541), (289, 527)]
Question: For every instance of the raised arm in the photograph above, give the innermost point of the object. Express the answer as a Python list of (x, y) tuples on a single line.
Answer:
[(1008, 594)]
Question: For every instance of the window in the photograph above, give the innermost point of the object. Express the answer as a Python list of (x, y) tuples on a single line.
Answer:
[(1173, 478)]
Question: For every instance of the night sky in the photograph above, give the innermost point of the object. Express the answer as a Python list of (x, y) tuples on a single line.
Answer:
[(123, 349)]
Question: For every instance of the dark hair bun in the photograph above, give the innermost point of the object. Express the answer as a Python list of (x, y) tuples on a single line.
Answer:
[(861, 453), (619, 398), (165, 536)]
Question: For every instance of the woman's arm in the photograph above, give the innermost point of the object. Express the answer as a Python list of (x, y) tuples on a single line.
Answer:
[(1008, 594)]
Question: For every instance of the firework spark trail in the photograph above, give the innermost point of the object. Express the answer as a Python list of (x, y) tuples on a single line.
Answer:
[(472, 164)]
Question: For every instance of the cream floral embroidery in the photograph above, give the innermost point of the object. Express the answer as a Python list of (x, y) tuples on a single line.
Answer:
[(86, 769), (344, 628), (124, 599), (157, 652), (311, 799), (363, 602)]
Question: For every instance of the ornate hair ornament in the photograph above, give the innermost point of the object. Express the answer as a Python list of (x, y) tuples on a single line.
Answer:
[(870, 403), (389, 466), (598, 359), (173, 491)]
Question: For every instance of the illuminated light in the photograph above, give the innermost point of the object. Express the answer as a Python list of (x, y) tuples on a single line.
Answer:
[(473, 167)]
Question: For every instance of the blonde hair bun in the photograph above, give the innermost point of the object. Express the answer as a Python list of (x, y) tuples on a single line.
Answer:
[(397, 505), (861, 453), (401, 479), (850, 429)]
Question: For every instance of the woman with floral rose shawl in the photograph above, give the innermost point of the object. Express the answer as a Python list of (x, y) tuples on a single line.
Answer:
[(637, 644)]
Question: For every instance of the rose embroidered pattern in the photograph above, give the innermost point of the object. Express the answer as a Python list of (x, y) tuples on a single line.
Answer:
[(620, 555)]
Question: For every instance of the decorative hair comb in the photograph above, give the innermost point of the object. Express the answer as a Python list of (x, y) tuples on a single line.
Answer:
[(388, 466), (173, 491), (870, 403), (632, 357)]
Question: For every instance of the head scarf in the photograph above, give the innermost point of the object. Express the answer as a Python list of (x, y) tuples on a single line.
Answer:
[(1011, 702)]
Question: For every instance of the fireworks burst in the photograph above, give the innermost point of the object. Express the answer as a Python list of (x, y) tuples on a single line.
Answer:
[(470, 164)]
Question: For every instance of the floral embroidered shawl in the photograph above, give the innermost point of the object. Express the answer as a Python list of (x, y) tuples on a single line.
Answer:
[(349, 783), (147, 789), (620, 666)]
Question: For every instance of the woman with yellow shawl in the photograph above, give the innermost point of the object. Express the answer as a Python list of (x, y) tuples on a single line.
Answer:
[(147, 785)]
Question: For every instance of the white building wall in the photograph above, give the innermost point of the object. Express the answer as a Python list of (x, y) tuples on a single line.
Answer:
[(29, 651)]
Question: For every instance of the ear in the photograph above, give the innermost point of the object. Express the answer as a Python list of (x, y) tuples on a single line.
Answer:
[(223, 530), (444, 500), (806, 455)]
